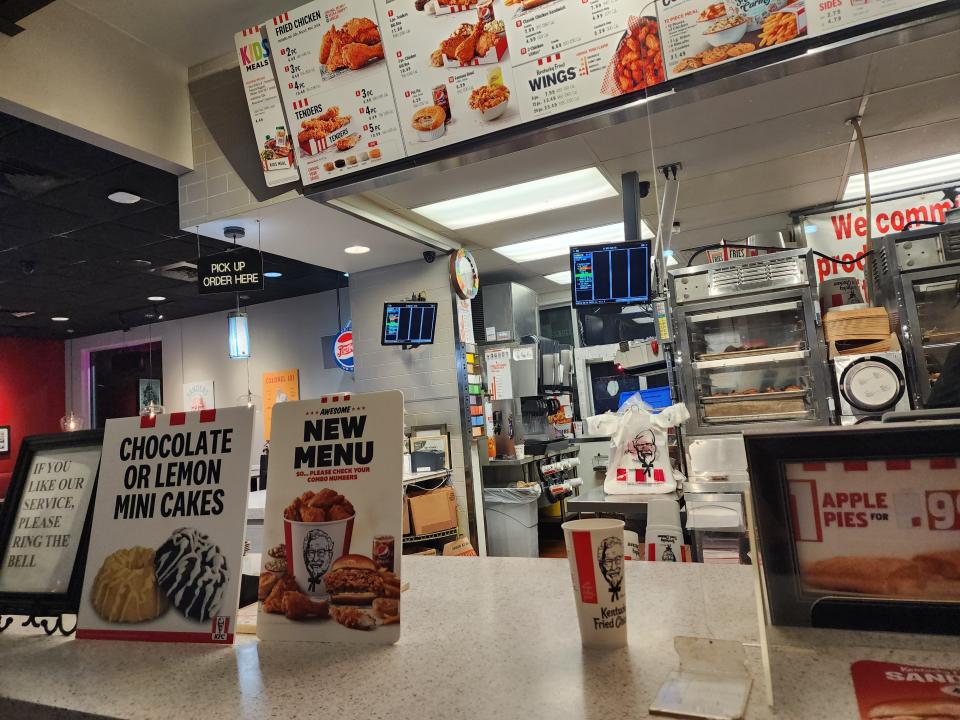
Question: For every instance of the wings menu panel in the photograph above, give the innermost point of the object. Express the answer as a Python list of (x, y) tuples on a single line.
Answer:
[(615, 274), (335, 88)]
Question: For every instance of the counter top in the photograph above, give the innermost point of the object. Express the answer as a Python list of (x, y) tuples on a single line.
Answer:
[(482, 638)]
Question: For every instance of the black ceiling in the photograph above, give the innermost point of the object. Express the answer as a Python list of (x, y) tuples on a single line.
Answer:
[(66, 250), (13, 11)]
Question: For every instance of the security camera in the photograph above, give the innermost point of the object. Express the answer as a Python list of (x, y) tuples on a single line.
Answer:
[(28, 267), (429, 256), (643, 188)]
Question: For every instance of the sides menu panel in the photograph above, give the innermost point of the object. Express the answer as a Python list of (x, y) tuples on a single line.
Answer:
[(266, 113), (335, 88), (450, 67), (829, 15)]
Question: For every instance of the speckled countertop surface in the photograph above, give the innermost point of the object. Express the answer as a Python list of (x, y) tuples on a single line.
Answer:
[(482, 638)]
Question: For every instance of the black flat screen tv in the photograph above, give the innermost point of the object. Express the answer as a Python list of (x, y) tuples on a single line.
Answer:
[(610, 274), (408, 323)]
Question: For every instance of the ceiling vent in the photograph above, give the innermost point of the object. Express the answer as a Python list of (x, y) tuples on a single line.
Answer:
[(183, 271)]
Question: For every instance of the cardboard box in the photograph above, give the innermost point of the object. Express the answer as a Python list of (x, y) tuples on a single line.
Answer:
[(432, 511), (460, 546), (406, 516)]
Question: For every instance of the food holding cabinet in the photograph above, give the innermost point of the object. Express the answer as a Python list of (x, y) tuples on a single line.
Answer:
[(916, 276), (749, 343)]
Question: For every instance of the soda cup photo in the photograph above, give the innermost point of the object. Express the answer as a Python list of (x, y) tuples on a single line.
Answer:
[(595, 551)]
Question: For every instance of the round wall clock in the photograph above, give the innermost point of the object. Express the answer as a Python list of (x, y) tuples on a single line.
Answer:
[(464, 274)]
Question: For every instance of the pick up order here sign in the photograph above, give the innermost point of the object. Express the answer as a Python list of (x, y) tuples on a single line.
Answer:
[(237, 270)]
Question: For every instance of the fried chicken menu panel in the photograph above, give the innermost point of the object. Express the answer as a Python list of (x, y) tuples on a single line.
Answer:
[(451, 70), (335, 88), (332, 525), (883, 528)]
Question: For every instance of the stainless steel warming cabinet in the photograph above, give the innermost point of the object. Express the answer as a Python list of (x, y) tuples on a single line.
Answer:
[(916, 276), (749, 343)]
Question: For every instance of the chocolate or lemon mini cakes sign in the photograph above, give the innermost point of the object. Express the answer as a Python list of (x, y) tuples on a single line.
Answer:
[(168, 526), (332, 522)]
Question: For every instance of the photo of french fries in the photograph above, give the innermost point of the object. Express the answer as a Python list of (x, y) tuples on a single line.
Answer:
[(778, 28)]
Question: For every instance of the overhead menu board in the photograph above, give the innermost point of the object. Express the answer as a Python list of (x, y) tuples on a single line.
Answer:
[(335, 88), (366, 82), (450, 67)]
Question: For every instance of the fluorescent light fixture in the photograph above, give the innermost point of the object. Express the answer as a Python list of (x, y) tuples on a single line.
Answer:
[(356, 250), (123, 197), (557, 245), (273, 274), (560, 278), (156, 298), (529, 198), (670, 258), (238, 334), (60, 318), (904, 177)]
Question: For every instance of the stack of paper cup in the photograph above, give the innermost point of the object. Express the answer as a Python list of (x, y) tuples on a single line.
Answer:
[(595, 553)]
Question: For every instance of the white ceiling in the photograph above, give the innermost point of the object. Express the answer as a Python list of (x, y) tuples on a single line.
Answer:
[(189, 31), (749, 157), (305, 230)]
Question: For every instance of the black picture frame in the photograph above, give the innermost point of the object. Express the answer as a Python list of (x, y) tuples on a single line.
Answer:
[(46, 604), (768, 452), (5, 432)]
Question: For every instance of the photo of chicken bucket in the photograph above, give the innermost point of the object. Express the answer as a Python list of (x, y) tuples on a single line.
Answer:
[(596, 554), (317, 528)]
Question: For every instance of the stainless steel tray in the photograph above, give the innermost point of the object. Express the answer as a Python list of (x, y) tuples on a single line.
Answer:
[(796, 415), (786, 395), (749, 353)]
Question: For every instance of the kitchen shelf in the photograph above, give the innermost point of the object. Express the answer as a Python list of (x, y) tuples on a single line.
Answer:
[(441, 535), (414, 478)]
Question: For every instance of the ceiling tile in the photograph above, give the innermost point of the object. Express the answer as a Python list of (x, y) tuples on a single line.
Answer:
[(913, 105), (62, 155), (915, 62)]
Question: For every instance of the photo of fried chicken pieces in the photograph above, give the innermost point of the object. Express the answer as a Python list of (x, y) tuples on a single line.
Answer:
[(354, 45), (281, 596), (387, 610), (323, 506), (933, 575), (354, 618), (466, 43), (321, 126)]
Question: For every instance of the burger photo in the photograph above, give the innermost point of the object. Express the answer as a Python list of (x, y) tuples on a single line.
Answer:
[(945, 709), (353, 580)]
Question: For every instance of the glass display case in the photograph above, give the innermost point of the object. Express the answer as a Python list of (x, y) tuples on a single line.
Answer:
[(749, 343), (916, 277)]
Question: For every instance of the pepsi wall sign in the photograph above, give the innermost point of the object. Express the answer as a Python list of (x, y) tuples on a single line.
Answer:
[(343, 349)]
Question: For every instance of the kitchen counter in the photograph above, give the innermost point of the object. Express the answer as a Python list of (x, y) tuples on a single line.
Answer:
[(482, 638)]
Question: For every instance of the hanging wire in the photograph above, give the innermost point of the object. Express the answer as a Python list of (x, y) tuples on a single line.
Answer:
[(198, 241)]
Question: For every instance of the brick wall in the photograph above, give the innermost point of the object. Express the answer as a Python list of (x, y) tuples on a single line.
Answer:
[(427, 375)]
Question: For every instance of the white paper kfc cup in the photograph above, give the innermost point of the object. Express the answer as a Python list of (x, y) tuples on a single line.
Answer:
[(312, 548), (595, 550), (631, 546)]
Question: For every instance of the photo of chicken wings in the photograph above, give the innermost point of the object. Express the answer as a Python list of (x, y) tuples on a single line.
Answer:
[(468, 48)]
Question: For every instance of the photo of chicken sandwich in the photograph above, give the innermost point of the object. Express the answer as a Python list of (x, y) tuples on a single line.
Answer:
[(353, 580)]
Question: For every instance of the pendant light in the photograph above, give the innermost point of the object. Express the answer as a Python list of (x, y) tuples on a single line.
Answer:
[(71, 422), (238, 334), (151, 408), (248, 398)]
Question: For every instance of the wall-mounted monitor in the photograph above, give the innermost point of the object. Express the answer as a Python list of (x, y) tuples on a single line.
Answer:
[(408, 323), (611, 274)]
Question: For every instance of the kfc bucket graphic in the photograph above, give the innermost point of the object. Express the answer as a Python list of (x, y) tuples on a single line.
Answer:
[(311, 549)]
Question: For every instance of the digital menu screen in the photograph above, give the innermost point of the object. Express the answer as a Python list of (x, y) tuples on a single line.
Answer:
[(611, 274), (409, 323)]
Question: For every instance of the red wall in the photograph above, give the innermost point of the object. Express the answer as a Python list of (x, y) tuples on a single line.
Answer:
[(31, 392)]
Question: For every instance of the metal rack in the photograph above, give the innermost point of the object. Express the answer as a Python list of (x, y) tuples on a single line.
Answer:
[(429, 480)]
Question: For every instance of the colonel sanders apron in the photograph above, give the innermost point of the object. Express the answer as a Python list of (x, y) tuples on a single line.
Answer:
[(638, 460)]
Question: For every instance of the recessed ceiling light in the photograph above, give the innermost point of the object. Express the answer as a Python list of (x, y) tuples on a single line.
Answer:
[(905, 177), (156, 298), (557, 245), (529, 198), (123, 197), (346, 274), (560, 278), (23, 313), (59, 318), (142, 262), (356, 250), (273, 274)]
